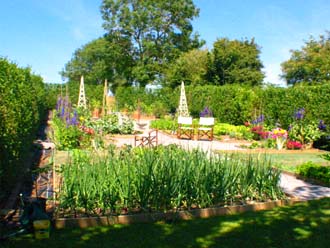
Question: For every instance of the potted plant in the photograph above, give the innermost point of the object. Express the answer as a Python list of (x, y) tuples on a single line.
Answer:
[(96, 107)]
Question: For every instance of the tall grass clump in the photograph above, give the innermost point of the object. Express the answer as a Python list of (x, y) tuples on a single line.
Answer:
[(162, 179)]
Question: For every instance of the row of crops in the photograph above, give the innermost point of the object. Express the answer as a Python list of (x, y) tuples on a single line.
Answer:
[(161, 179)]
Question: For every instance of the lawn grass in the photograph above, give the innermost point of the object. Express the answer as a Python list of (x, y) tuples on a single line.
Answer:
[(285, 160), (302, 225), (289, 161)]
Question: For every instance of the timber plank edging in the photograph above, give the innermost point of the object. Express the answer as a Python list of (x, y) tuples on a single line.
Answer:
[(85, 222)]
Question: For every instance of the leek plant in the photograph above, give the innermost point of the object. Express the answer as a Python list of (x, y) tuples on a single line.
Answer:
[(165, 178)]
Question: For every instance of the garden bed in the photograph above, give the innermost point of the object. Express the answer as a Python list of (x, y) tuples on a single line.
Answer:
[(85, 222), (137, 213), (165, 179)]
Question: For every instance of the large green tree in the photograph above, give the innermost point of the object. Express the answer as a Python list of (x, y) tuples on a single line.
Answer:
[(309, 65), (234, 61), (158, 31), (103, 58), (190, 67)]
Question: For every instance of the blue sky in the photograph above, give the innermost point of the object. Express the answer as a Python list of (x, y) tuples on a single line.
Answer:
[(44, 34)]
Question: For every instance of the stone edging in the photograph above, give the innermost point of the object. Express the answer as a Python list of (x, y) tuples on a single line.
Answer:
[(180, 215)]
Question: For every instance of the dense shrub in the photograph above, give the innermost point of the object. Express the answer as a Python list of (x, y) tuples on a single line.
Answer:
[(238, 132), (22, 107), (158, 102), (315, 171), (229, 103), (164, 124)]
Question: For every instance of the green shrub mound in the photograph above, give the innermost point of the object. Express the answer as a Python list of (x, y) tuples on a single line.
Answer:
[(314, 171), (162, 179), (164, 124), (238, 132)]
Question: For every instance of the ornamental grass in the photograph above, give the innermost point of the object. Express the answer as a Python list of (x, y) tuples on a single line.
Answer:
[(165, 178)]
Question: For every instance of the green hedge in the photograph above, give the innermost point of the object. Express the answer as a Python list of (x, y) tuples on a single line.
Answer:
[(315, 171), (235, 104), (22, 107), (229, 104)]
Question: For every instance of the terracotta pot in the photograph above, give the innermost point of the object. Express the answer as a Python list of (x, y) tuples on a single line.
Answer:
[(308, 145), (96, 113)]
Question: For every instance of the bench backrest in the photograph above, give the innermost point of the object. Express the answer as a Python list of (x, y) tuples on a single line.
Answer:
[(185, 120), (206, 121)]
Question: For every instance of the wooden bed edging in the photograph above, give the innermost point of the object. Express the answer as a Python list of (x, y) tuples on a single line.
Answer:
[(180, 215)]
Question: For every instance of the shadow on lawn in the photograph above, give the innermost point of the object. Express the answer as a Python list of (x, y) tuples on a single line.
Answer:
[(301, 225)]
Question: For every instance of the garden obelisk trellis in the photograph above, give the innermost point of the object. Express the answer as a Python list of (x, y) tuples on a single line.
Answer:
[(105, 94), (82, 97), (183, 106)]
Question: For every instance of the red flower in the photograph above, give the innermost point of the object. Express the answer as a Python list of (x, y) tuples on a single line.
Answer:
[(257, 129), (291, 144), (264, 134)]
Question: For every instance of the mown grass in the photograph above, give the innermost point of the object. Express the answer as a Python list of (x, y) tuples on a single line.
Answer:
[(301, 225), (287, 160)]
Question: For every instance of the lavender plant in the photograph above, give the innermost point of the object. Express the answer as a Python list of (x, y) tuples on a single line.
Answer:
[(65, 131)]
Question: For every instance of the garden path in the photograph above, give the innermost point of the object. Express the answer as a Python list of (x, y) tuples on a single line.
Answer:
[(301, 189), (289, 183)]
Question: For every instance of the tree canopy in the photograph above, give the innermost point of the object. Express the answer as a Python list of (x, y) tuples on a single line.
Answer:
[(234, 61), (190, 67), (103, 58), (310, 64), (157, 30), (152, 41)]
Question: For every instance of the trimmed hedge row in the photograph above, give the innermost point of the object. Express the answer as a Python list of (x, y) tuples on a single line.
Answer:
[(235, 104), (22, 107)]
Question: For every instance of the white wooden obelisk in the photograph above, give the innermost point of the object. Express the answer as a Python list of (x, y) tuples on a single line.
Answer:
[(82, 97), (183, 106)]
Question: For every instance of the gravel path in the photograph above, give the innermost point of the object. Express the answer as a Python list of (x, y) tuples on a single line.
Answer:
[(290, 184), (301, 189)]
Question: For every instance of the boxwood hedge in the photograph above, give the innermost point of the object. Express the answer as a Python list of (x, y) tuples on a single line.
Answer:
[(22, 107)]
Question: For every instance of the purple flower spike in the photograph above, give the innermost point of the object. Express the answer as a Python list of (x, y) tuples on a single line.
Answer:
[(74, 120), (299, 114), (322, 126), (59, 103), (206, 113), (259, 120), (62, 112)]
